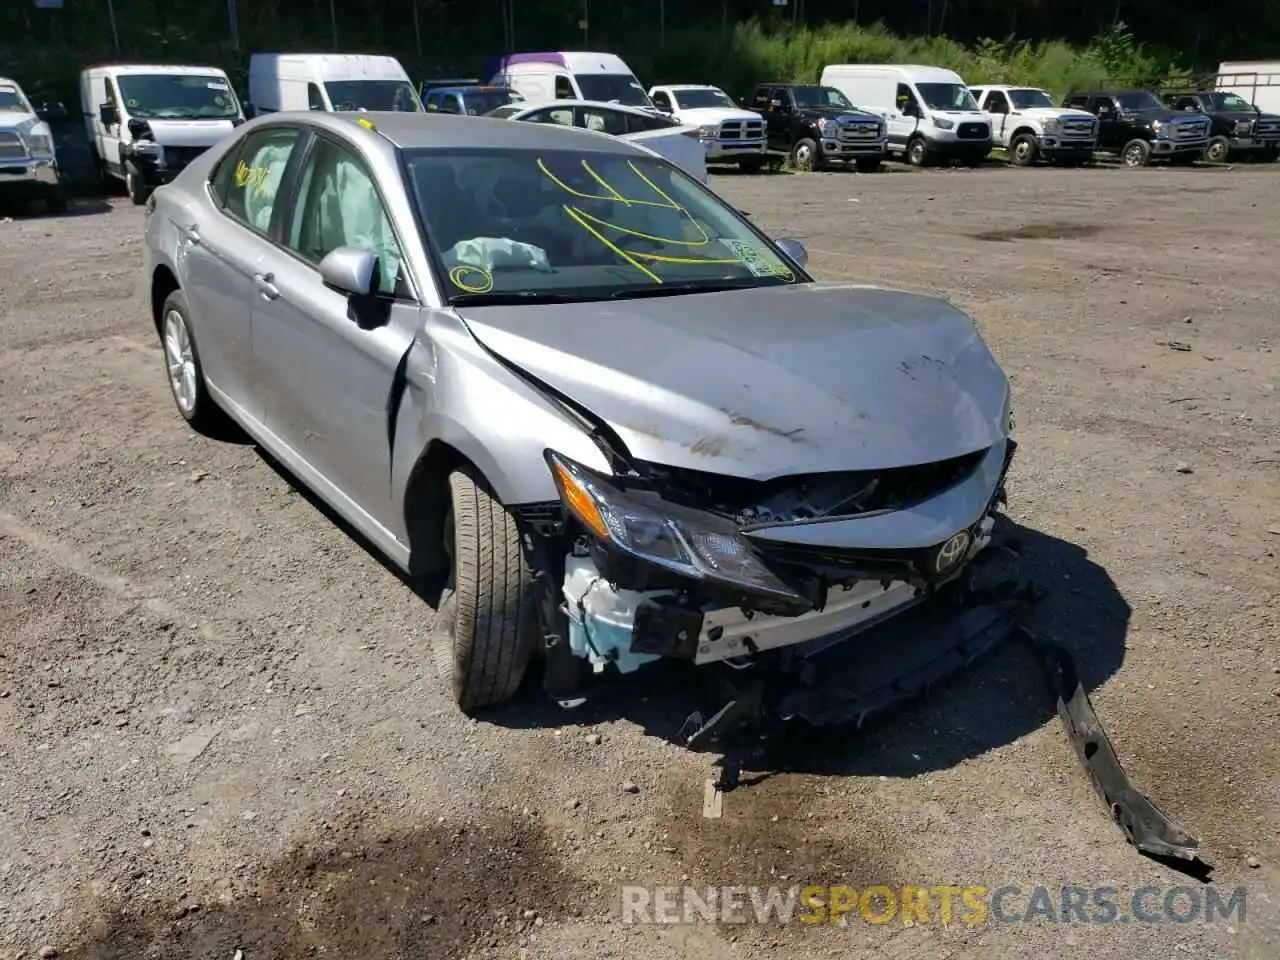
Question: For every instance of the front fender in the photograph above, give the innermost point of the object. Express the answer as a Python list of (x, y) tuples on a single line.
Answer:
[(458, 394)]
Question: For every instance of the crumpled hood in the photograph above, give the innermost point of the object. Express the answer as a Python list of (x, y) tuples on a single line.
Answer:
[(768, 382), (189, 133)]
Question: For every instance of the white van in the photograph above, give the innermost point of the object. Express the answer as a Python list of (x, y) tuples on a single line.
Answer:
[(929, 112), (560, 75), (332, 82), (146, 121)]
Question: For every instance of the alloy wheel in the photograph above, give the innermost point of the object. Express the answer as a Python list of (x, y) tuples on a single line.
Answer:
[(181, 361)]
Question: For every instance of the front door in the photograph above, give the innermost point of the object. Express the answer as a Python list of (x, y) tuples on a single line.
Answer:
[(996, 106), (903, 119), (109, 144), (223, 254), (332, 360), (1110, 132)]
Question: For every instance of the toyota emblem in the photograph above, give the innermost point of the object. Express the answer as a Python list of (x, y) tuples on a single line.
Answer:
[(952, 552)]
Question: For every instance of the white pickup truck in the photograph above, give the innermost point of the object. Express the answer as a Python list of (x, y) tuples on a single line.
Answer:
[(728, 133), (28, 160), (1027, 124)]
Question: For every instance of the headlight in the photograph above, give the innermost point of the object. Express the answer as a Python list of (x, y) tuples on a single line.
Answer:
[(1051, 126), (40, 145), (674, 538), (942, 123), (823, 124), (710, 131), (1156, 125), (1244, 126), (146, 147)]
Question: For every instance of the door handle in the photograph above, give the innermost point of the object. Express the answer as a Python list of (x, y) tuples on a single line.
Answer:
[(266, 285), (193, 233)]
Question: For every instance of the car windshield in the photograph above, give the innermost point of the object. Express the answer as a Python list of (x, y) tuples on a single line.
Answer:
[(946, 96), (477, 102), (516, 225), (392, 95), (1230, 101), (1140, 100), (178, 96), (813, 97), (606, 87), (12, 100), (1029, 99), (705, 97)]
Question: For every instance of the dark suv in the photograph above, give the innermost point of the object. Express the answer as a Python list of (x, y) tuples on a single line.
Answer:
[(1236, 126), (1139, 127), (817, 125)]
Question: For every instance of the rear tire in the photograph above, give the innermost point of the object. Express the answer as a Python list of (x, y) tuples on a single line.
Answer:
[(185, 372), (488, 623)]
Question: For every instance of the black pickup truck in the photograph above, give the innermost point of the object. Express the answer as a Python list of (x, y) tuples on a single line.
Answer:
[(1236, 126), (817, 126), (1139, 127)]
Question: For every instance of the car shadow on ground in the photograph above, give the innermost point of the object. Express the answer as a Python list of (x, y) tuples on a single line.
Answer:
[(34, 209), (997, 699)]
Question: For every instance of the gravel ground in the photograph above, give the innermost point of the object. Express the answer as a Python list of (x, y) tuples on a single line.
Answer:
[(220, 729)]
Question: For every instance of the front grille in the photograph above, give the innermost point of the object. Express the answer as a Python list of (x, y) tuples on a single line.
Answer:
[(11, 147), (1191, 130), (742, 130), (1077, 129), (181, 156), (1267, 128), (973, 131), (858, 131)]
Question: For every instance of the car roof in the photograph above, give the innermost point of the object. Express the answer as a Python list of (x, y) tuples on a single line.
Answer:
[(686, 86), (425, 131), (1005, 86)]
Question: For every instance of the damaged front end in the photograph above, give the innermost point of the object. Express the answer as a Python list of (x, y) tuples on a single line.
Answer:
[(656, 562)]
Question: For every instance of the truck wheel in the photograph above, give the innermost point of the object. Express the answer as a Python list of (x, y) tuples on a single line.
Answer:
[(917, 152), (750, 164), (868, 164), (137, 190), (487, 622), (804, 155), (1218, 150), (1023, 151), (1136, 153)]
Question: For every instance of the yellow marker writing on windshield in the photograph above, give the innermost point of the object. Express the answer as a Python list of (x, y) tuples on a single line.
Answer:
[(471, 279)]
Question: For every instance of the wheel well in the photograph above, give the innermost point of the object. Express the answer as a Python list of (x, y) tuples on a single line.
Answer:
[(426, 503), (1020, 131), (163, 283)]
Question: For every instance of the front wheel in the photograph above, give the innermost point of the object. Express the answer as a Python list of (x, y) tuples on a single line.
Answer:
[(138, 191), (917, 152), (487, 621), (1136, 153), (1218, 151), (804, 155), (1023, 150)]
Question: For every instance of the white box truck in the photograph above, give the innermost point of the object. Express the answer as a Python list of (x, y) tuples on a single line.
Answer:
[(1258, 81), (928, 111), (331, 82)]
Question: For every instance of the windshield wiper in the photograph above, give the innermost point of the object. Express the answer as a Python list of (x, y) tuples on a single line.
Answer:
[(676, 289), (516, 297)]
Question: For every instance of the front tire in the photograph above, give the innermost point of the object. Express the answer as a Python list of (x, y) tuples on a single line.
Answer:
[(1023, 151), (917, 152), (1136, 153), (1218, 150), (186, 374), (488, 626), (804, 155), (138, 191)]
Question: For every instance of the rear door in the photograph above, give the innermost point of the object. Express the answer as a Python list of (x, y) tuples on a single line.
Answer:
[(223, 253), (331, 359)]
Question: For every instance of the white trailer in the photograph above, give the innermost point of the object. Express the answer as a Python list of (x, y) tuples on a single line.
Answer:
[(1258, 81)]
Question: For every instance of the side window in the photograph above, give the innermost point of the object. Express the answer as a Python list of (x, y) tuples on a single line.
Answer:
[(339, 206), (451, 104), (432, 103), (662, 101), (220, 181), (315, 100), (637, 123), (560, 115), (762, 98), (1080, 102), (997, 102), (564, 89), (606, 121), (255, 180), (904, 97)]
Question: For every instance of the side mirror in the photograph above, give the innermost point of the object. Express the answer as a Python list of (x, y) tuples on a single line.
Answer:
[(250, 111), (794, 249), (109, 115), (775, 104), (52, 112), (350, 270), (909, 109)]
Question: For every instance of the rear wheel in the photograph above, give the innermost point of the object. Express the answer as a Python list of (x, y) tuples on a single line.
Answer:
[(1023, 150), (1136, 153), (487, 624), (186, 375)]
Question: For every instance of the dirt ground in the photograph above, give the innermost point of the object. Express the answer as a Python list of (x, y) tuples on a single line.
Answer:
[(220, 730)]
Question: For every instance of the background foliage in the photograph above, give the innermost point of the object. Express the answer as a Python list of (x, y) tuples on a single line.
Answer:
[(733, 43)]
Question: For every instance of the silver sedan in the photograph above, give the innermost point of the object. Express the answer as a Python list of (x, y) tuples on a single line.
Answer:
[(549, 369)]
